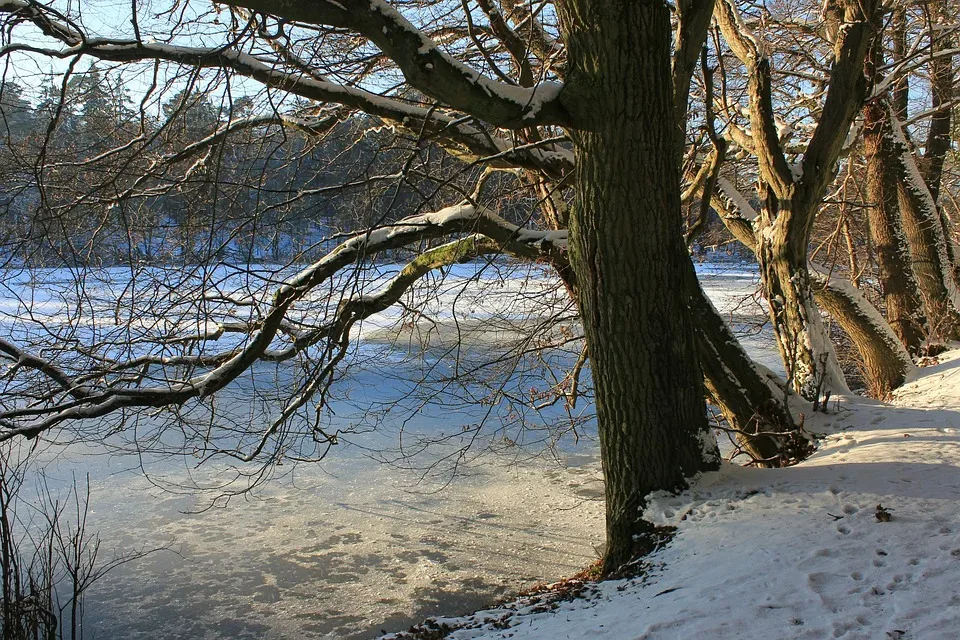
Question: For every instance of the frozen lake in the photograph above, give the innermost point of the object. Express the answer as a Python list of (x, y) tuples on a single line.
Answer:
[(348, 546)]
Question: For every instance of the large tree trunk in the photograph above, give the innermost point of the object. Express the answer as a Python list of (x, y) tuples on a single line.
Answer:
[(897, 284), (898, 33), (792, 194), (807, 352), (629, 260), (886, 362), (941, 90), (805, 348), (941, 123)]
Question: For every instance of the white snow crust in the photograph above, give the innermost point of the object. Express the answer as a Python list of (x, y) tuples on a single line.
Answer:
[(733, 194)]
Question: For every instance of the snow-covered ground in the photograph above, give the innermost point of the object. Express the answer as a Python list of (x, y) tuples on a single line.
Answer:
[(804, 552)]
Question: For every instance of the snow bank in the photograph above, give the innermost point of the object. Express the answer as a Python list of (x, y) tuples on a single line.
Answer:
[(800, 552)]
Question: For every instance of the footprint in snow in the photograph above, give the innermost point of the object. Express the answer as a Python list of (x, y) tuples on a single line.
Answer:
[(818, 581)]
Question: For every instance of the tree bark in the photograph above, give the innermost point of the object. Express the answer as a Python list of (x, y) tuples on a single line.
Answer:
[(792, 195), (941, 90), (897, 284), (802, 339), (928, 246), (886, 363), (781, 253), (856, 315), (942, 76), (898, 32), (627, 253)]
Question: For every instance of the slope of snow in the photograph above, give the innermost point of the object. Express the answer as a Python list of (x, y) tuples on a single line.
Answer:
[(800, 552)]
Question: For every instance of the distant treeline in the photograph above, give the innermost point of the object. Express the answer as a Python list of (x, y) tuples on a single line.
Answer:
[(119, 186)]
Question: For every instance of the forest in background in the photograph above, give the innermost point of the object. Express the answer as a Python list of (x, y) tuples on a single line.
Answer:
[(263, 193)]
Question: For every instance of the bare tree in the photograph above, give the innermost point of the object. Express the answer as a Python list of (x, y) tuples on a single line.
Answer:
[(528, 89), (49, 558), (791, 121), (791, 192), (335, 137)]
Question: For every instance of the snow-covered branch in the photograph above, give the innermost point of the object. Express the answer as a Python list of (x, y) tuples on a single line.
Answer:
[(882, 352), (735, 212), (424, 65), (845, 95), (459, 134), (488, 234), (765, 135), (925, 233)]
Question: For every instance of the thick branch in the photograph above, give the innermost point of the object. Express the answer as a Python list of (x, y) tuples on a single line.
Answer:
[(887, 365), (551, 159), (423, 64), (766, 144), (227, 366), (845, 96), (693, 18)]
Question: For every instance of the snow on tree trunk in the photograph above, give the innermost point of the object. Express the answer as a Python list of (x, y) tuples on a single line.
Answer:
[(938, 142), (807, 352), (941, 94), (749, 399), (627, 253), (868, 329), (921, 221), (808, 355), (792, 193), (886, 363)]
